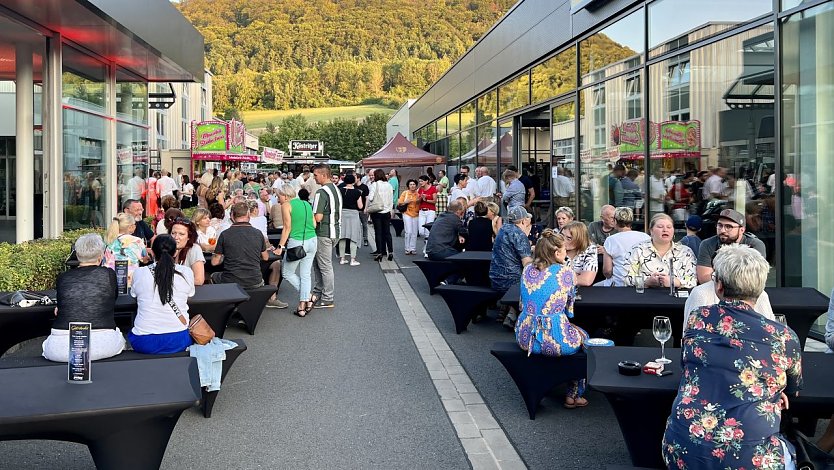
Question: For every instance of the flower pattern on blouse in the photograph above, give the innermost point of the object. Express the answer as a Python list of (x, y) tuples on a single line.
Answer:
[(736, 364), (644, 259), (585, 261), (543, 325)]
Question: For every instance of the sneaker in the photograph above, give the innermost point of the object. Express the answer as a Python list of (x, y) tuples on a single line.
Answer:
[(509, 321), (343, 261), (325, 304), (276, 303), (354, 263)]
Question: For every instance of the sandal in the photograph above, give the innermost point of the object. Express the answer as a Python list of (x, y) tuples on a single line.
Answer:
[(313, 299), (309, 307), (571, 403), (298, 313)]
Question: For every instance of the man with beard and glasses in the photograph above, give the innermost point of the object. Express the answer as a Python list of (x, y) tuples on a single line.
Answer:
[(730, 229)]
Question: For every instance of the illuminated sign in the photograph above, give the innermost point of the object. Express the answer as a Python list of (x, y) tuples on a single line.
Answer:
[(306, 146)]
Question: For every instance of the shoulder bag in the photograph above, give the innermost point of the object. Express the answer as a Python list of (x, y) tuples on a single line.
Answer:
[(297, 252), (198, 327), (404, 206), (376, 205)]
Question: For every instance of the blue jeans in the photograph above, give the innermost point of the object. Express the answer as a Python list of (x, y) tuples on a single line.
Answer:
[(302, 280)]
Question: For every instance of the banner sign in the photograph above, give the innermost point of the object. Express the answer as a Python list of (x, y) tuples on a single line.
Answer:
[(237, 139), (78, 365), (219, 141), (633, 136), (272, 156), (209, 136), (680, 135), (226, 157), (306, 146)]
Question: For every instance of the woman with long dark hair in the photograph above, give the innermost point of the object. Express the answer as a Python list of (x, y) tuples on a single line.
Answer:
[(189, 252), (162, 291), (380, 211)]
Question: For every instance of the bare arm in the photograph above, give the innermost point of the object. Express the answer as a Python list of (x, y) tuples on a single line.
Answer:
[(199, 270), (585, 278), (526, 260), (607, 265), (216, 259), (704, 273), (531, 195)]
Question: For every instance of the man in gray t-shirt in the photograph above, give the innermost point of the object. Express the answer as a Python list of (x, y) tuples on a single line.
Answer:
[(603, 228), (729, 229)]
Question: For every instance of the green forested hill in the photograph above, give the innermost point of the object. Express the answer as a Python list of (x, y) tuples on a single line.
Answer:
[(285, 54)]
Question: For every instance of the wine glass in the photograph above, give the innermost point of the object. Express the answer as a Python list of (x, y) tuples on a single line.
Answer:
[(662, 330)]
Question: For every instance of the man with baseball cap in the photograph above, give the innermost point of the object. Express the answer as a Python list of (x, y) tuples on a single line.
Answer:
[(729, 229), (510, 253)]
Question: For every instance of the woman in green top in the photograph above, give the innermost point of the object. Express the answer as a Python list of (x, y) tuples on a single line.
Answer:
[(299, 230)]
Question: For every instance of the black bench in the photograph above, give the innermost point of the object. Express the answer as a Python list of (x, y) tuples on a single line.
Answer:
[(536, 375), (435, 271), (248, 313), (398, 225), (206, 402), (465, 302)]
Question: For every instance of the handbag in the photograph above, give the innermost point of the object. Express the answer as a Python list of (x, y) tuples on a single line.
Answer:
[(297, 252), (376, 205), (199, 329), (26, 298)]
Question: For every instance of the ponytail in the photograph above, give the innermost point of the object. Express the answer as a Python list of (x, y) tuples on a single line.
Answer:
[(121, 221), (164, 247)]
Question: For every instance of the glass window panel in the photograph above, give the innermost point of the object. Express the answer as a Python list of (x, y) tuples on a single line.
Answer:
[(488, 106), (788, 4), (554, 76), (505, 149), (514, 94), (131, 160), (487, 150), (452, 122), (467, 145), (713, 108), (441, 127), (674, 24), (611, 144), (83, 81), (86, 155), (616, 48), (468, 114), (563, 193), (807, 78)]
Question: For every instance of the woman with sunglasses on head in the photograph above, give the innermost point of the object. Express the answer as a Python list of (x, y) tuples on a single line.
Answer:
[(188, 251), (548, 290), (162, 291), (564, 216)]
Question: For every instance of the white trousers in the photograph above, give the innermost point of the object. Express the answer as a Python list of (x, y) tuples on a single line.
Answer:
[(103, 344), (411, 225), (426, 217)]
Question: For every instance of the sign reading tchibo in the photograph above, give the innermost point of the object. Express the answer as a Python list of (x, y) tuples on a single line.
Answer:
[(306, 146)]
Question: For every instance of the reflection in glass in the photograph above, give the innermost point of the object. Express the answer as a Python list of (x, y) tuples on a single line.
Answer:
[(452, 122), (131, 98), (487, 149), (554, 76), (563, 191), (441, 127), (788, 4), (807, 77), (674, 24), (505, 149), (713, 107), (488, 106), (612, 146), (468, 114), (131, 160), (615, 49), (514, 94), (86, 155), (83, 81)]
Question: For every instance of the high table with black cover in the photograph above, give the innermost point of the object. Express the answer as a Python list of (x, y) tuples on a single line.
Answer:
[(215, 302), (643, 403), (125, 416), (474, 266), (627, 312)]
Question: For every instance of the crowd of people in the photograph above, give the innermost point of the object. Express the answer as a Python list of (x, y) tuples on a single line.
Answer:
[(319, 213)]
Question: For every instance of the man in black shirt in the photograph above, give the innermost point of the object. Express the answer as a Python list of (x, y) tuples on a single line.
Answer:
[(446, 233), (133, 208), (240, 248)]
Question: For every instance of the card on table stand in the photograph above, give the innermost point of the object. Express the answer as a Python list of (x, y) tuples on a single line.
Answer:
[(78, 365)]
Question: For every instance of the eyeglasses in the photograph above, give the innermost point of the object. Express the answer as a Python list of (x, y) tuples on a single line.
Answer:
[(720, 226), (183, 221), (714, 276)]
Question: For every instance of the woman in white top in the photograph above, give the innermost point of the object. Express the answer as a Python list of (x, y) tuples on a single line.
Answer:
[(618, 246), (188, 251), (206, 234), (187, 193), (255, 219), (380, 201), (582, 254), (162, 291)]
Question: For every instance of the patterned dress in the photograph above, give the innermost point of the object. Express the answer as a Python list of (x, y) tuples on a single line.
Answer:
[(736, 364)]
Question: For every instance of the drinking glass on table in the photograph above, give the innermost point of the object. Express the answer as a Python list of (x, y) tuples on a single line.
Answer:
[(781, 319), (662, 330), (640, 283)]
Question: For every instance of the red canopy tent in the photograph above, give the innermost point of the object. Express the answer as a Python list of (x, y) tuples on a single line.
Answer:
[(398, 153)]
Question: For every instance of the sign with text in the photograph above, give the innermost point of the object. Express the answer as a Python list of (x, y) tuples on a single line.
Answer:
[(306, 146), (272, 156), (209, 136), (78, 365)]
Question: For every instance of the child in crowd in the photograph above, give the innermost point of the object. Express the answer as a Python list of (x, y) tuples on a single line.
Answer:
[(693, 226)]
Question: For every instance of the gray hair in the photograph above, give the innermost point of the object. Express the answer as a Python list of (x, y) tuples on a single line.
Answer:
[(741, 270), (288, 191), (454, 206), (89, 247), (624, 216)]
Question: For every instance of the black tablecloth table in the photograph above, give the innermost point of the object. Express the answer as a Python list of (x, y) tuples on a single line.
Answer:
[(474, 266), (215, 302), (266, 266), (627, 312), (643, 403), (125, 416)]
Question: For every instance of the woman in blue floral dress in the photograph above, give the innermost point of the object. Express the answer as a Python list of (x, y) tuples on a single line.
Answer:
[(548, 288), (738, 370)]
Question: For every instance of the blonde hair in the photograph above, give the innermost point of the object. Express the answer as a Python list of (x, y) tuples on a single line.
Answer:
[(121, 222), (658, 217), (579, 233), (544, 254), (565, 210), (200, 214), (494, 208)]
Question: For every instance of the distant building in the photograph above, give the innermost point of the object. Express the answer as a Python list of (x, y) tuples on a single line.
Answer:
[(399, 122)]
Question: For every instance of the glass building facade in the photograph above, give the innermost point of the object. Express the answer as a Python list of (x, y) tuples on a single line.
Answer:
[(667, 89)]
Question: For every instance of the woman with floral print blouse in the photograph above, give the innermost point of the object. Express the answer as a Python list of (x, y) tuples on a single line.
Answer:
[(737, 368), (582, 253), (651, 258), (547, 294)]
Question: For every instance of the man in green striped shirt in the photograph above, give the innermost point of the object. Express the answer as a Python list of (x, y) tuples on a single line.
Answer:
[(327, 210)]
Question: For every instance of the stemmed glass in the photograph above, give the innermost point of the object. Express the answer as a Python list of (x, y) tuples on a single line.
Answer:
[(662, 330)]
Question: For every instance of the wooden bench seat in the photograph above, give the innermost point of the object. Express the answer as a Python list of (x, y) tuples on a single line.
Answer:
[(536, 375), (465, 302), (207, 400)]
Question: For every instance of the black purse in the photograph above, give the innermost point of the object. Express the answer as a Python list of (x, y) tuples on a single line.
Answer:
[(297, 252)]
